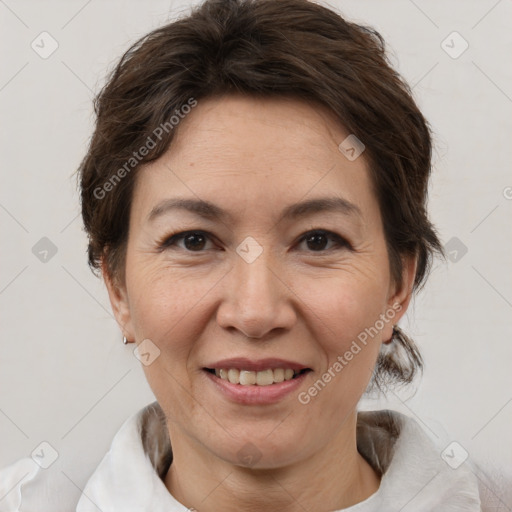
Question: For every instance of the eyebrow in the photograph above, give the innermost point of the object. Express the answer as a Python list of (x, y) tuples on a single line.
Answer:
[(295, 211)]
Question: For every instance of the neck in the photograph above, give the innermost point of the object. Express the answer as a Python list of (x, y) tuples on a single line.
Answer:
[(333, 478)]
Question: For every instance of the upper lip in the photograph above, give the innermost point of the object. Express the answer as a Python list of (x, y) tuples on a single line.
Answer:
[(242, 363)]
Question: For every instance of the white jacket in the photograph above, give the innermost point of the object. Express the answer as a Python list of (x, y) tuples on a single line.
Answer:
[(415, 477)]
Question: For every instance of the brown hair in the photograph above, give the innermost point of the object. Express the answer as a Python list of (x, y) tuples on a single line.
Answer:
[(264, 48)]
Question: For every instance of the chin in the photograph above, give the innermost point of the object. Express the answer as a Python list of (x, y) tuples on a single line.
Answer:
[(259, 451)]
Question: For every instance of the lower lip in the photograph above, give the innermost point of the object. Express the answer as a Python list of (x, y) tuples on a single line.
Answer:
[(256, 395)]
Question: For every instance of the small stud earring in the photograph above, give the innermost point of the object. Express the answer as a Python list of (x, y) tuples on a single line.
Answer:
[(125, 341)]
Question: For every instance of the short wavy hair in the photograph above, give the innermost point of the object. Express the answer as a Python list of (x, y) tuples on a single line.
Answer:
[(266, 48)]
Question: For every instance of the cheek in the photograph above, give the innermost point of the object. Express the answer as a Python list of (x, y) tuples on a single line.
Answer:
[(162, 308), (172, 308), (344, 307), (344, 313), (163, 300), (170, 313)]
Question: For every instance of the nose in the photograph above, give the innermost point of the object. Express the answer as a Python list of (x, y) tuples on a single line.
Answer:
[(257, 300)]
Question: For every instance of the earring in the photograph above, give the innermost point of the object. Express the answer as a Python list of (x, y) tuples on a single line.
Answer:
[(125, 341)]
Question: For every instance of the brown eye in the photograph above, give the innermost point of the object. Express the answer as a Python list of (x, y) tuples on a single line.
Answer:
[(193, 241), (317, 241)]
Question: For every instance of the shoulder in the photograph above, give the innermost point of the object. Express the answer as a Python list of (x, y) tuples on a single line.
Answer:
[(32, 486), (27, 484), (415, 472)]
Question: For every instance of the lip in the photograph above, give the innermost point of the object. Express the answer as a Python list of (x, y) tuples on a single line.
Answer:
[(243, 363), (256, 395)]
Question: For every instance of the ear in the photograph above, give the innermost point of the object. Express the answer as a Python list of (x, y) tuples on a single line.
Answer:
[(119, 302), (400, 295)]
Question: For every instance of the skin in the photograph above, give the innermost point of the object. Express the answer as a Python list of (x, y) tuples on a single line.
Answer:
[(253, 157)]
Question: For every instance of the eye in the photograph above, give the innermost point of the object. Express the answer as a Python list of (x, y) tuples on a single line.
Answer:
[(318, 239), (193, 241), (196, 241)]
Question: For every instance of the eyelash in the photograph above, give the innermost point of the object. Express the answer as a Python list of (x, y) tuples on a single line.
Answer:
[(169, 241)]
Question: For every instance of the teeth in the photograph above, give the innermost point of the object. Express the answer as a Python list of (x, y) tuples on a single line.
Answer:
[(265, 378), (234, 375), (251, 378), (278, 375), (247, 378)]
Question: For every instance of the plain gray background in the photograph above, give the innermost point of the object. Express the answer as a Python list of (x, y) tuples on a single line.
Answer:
[(65, 376)]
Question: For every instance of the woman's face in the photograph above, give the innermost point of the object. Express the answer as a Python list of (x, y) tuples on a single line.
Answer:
[(255, 288)]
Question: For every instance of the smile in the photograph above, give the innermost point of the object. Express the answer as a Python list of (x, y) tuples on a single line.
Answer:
[(266, 377)]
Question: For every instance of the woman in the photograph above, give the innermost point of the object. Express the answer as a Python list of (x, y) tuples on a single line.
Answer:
[(255, 198)]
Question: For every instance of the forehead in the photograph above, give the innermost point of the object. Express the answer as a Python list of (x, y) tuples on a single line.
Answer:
[(253, 153), (262, 130)]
